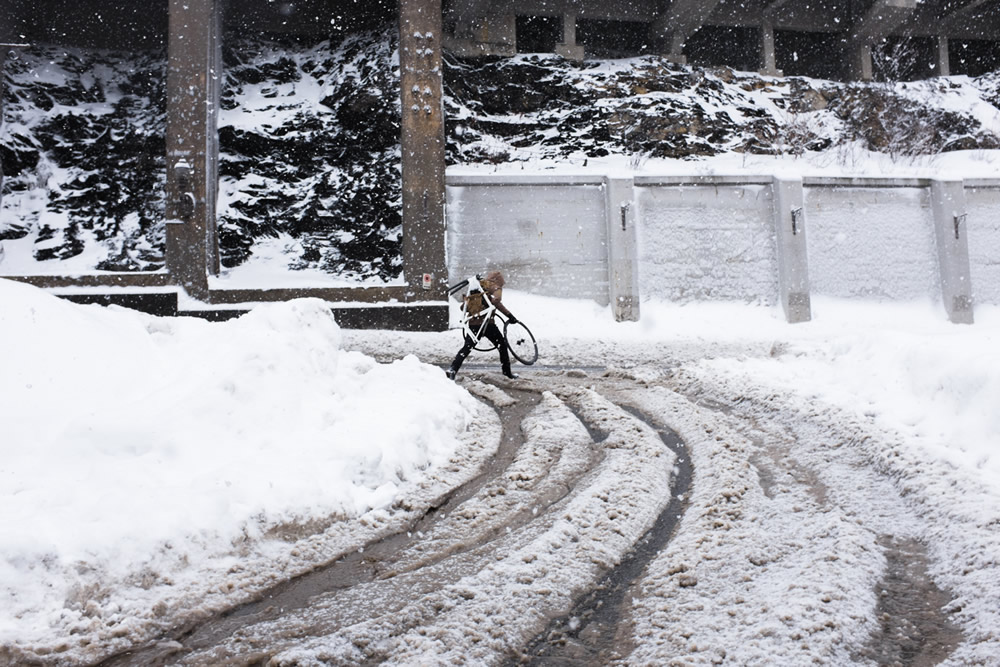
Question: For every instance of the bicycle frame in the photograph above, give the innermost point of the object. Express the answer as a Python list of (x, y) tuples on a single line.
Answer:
[(486, 314)]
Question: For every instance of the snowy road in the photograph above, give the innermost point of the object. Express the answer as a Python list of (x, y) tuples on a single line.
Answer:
[(795, 546), (674, 491)]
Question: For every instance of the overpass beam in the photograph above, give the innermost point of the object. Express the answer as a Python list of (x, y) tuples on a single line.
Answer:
[(673, 25), (959, 12), (881, 19)]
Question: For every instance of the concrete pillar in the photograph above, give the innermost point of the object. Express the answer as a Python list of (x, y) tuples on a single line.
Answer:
[(943, 60), (623, 262), (422, 142), (768, 63), (859, 60), (193, 79), (793, 258), (568, 48), (678, 20), (951, 234)]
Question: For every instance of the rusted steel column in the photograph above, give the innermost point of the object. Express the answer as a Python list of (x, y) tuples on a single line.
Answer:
[(193, 76), (4, 46), (422, 139), (3, 81)]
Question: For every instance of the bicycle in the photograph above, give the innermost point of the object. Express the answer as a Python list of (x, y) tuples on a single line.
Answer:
[(517, 336)]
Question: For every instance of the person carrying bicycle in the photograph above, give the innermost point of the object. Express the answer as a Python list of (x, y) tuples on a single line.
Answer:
[(481, 322)]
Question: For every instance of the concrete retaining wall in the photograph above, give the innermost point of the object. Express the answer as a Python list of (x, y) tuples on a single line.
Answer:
[(548, 236), (871, 242), (706, 243), (731, 238)]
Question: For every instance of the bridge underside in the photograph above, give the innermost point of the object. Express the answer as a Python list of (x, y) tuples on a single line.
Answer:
[(824, 38)]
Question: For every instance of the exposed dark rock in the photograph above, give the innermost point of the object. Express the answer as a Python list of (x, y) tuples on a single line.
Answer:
[(87, 140), (902, 126), (321, 163)]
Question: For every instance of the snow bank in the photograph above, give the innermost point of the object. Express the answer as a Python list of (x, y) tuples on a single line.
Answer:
[(936, 383), (129, 438)]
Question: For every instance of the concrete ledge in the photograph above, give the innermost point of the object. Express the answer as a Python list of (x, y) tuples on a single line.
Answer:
[(429, 317), (163, 304), (865, 182), (982, 183), (123, 280), (354, 308), (459, 180), (393, 293), (712, 179), (513, 178)]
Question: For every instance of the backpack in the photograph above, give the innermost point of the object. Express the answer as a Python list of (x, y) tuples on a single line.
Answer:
[(474, 303)]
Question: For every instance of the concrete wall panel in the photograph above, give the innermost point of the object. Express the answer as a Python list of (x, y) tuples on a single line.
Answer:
[(547, 239), (712, 242), (872, 243), (984, 243)]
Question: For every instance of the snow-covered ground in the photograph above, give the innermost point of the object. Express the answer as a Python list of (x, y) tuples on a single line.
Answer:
[(155, 463)]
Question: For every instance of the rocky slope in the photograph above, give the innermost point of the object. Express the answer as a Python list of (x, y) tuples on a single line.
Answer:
[(534, 107), (309, 134), (83, 155)]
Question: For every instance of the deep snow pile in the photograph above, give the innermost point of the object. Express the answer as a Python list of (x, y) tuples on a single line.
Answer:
[(152, 463)]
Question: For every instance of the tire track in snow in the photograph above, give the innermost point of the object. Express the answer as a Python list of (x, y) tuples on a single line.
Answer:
[(480, 576), (356, 568), (841, 575), (592, 632)]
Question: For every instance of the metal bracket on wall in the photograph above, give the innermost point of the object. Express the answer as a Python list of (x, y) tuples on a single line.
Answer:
[(959, 220), (625, 207), (796, 217)]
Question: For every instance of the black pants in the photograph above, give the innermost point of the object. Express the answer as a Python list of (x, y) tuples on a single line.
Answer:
[(491, 332)]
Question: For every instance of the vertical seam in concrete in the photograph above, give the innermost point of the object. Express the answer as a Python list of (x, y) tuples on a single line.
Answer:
[(952, 239), (792, 249), (623, 261)]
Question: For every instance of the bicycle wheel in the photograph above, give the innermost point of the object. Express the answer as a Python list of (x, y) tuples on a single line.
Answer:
[(521, 342)]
